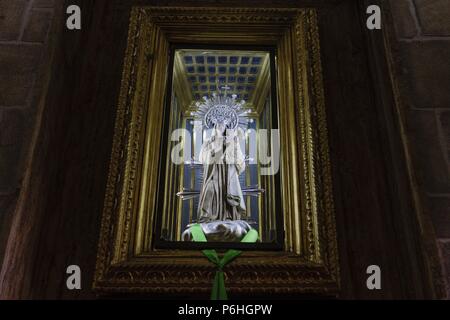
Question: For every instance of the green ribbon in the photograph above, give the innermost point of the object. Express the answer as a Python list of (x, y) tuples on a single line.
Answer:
[(218, 290)]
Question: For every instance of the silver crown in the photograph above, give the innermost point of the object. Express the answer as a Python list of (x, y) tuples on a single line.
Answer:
[(222, 110)]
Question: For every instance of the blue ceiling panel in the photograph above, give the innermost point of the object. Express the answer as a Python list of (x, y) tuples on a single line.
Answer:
[(256, 60), (223, 59), (245, 60), (234, 60), (200, 59), (242, 70)]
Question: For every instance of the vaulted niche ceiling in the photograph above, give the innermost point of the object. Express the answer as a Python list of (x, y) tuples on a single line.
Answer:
[(199, 73)]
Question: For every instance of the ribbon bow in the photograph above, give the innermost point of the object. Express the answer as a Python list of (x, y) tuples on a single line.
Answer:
[(218, 290)]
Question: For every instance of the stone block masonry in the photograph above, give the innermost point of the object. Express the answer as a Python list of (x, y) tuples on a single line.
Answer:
[(24, 28), (423, 35)]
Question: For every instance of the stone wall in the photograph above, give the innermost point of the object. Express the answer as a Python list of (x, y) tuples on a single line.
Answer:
[(423, 56), (24, 28)]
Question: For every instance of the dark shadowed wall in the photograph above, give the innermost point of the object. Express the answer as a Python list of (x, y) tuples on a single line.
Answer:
[(24, 57)]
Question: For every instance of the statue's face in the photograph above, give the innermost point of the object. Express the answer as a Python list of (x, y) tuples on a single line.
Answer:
[(221, 127)]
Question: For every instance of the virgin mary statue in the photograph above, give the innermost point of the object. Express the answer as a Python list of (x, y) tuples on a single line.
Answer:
[(221, 209), (221, 195)]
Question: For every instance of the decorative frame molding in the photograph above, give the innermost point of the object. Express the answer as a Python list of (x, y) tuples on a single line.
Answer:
[(309, 262)]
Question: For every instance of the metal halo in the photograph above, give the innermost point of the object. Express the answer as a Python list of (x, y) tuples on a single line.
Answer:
[(221, 113)]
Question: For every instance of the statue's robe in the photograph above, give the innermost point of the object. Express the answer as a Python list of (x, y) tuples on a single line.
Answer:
[(221, 196)]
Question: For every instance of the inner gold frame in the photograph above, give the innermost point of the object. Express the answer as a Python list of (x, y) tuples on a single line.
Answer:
[(182, 90), (309, 262)]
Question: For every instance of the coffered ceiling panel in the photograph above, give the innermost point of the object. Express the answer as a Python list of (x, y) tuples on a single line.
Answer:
[(204, 72)]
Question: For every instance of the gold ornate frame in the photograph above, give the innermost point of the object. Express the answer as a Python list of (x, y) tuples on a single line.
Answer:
[(309, 262)]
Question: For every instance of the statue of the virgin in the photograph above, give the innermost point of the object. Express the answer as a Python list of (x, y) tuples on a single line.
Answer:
[(221, 194), (221, 209)]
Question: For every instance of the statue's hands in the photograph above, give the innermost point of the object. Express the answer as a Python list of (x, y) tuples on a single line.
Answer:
[(216, 156)]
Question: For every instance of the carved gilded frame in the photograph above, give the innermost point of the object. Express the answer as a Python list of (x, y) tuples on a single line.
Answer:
[(309, 261)]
